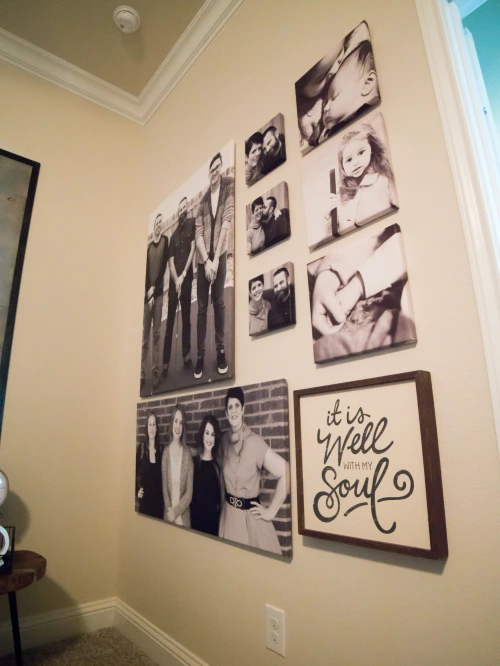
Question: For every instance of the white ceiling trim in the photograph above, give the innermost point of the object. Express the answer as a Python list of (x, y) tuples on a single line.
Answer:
[(21, 53), (203, 28), (200, 32)]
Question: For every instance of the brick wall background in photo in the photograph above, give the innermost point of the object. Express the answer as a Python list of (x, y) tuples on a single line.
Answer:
[(266, 413)]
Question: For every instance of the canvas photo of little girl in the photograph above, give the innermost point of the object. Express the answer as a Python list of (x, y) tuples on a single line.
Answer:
[(348, 182)]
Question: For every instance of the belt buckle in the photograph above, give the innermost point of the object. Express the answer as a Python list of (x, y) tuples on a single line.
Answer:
[(236, 502)]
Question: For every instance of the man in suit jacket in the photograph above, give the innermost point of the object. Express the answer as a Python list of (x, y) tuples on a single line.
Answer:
[(213, 223)]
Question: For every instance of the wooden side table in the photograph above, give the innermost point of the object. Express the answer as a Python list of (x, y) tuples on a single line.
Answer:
[(27, 568)]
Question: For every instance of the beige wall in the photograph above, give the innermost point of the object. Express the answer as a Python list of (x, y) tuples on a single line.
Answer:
[(70, 417), (61, 439), (344, 605)]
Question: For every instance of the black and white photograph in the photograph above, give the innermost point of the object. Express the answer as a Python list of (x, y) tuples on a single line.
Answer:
[(218, 463), (348, 181), (337, 89), (268, 219), (265, 150), (188, 324), (360, 297), (271, 300)]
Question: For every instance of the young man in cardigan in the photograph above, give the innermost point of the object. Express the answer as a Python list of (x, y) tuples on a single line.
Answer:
[(213, 223)]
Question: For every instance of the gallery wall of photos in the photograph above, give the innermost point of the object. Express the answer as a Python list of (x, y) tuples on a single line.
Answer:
[(218, 461)]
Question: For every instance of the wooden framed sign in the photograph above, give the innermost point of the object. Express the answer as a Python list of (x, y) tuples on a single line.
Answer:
[(368, 470)]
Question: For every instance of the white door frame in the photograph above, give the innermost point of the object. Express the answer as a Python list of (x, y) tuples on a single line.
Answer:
[(464, 130)]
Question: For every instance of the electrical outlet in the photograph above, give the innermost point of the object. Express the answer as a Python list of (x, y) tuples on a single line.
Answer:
[(275, 629)]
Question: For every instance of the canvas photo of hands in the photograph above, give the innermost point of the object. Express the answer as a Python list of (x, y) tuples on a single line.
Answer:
[(360, 297)]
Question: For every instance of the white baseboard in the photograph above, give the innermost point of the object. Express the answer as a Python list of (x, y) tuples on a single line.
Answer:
[(50, 627), (46, 628), (160, 647)]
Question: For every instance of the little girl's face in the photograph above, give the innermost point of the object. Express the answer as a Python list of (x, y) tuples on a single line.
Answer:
[(209, 437), (356, 157)]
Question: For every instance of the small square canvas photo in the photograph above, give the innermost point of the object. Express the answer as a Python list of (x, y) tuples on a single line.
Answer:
[(271, 300), (265, 150), (337, 89), (360, 297), (268, 219), (348, 181)]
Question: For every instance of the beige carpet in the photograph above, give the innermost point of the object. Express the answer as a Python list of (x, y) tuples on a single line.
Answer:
[(106, 647)]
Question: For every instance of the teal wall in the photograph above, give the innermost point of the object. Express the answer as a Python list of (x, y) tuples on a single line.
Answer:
[(484, 24)]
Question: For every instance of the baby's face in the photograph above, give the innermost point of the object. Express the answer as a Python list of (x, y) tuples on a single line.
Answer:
[(344, 94), (322, 72), (356, 157)]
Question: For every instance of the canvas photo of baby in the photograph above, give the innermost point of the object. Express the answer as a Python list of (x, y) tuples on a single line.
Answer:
[(349, 181), (337, 89)]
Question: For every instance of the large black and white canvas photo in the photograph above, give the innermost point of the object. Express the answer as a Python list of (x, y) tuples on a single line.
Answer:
[(360, 297), (271, 300), (188, 324), (348, 181), (268, 219), (218, 463), (337, 89), (265, 150)]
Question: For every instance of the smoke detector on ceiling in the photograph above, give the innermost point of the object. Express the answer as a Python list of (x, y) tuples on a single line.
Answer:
[(127, 19)]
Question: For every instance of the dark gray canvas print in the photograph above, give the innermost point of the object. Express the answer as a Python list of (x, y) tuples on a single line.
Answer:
[(348, 182), (265, 150), (360, 297), (268, 219), (218, 463), (271, 300), (337, 89)]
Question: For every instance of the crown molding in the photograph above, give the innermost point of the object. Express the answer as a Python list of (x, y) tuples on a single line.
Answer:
[(200, 32), (43, 64), (213, 15)]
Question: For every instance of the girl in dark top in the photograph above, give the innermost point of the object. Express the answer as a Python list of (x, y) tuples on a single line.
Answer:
[(148, 472), (207, 490)]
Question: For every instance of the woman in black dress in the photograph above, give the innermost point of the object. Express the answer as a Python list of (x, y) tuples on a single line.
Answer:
[(207, 488), (148, 490)]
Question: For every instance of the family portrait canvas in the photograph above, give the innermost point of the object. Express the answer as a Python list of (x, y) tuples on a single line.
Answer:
[(188, 323), (218, 463), (360, 297), (265, 150), (348, 181), (337, 89), (271, 300), (268, 219)]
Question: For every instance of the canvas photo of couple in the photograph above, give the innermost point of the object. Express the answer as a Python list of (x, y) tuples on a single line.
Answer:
[(271, 300), (268, 219), (265, 150)]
